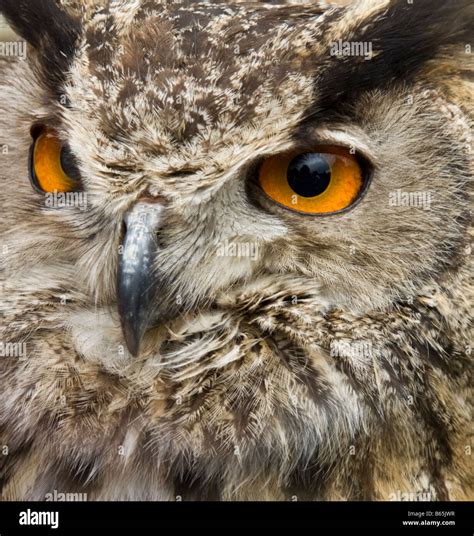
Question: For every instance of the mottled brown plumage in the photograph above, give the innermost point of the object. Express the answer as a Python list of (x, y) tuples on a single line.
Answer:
[(334, 364)]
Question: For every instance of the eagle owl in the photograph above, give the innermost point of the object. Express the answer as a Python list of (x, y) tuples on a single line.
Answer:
[(234, 250)]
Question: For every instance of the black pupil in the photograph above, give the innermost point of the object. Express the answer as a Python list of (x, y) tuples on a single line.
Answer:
[(309, 174)]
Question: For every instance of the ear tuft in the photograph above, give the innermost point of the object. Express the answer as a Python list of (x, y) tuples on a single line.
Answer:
[(405, 37), (49, 29)]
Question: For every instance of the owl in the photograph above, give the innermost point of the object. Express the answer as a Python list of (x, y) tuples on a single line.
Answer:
[(235, 255)]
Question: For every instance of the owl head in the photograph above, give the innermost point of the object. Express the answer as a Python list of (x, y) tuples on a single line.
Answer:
[(173, 169), (209, 148)]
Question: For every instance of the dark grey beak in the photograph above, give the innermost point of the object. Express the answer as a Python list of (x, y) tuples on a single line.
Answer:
[(135, 282)]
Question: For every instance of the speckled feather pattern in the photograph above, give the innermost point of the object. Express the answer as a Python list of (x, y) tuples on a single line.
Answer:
[(336, 365)]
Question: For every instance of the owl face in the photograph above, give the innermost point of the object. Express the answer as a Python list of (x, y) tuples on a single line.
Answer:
[(201, 110), (206, 183)]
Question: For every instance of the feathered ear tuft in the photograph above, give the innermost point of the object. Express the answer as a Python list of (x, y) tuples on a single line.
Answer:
[(46, 27), (404, 36)]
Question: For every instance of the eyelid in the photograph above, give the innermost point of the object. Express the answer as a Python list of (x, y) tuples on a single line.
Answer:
[(351, 136)]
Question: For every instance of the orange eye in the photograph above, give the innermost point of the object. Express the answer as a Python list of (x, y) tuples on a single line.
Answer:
[(52, 166), (320, 181)]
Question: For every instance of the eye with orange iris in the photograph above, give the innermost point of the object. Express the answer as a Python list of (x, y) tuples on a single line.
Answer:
[(52, 165), (322, 180)]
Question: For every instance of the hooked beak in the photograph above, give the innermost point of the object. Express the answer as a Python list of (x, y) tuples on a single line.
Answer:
[(135, 281)]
